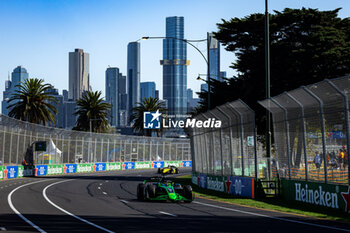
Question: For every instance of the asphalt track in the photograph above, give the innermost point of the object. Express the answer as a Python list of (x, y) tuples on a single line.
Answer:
[(106, 202)]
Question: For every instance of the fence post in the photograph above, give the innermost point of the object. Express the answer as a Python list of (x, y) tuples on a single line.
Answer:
[(241, 134), (320, 103), (304, 130), (221, 151), (346, 109), (3, 146), (287, 133), (230, 135)]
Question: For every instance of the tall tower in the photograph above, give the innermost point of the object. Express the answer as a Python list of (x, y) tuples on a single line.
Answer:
[(175, 66), (18, 75), (214, 58), (78, 73), (133, 76), (112, 95)]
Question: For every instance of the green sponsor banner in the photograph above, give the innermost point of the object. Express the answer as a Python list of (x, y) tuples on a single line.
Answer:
[(86, 167), (113, 166), (143, 165), (55, 169), (216, 183), (318, 194), (20, 171), (172, 163), (2, 168)]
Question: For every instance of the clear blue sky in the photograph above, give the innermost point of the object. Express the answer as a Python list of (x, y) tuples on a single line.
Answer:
[(39, 34)]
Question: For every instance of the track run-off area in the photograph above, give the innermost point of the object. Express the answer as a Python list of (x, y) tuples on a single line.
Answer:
[(107, 202)]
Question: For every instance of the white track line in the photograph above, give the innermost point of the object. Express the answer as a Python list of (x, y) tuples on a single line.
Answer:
[(172, 215), (126, 202), (65, 211), (276, 218), (9, 200)]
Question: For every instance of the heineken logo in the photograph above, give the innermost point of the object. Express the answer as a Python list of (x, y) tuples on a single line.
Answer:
[(84, 168), (346, 197), (71, 169), (142, 165), (316, 196), (158, 165), (238, 186), (216, 184), (12, 172), (129, 165), (41, 170), (100, 167)]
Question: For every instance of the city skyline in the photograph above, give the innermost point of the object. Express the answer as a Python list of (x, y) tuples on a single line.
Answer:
[(50, 30)]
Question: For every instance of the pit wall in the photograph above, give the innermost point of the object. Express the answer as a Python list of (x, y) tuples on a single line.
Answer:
[(234, 185), (329, 196), (11, 172)]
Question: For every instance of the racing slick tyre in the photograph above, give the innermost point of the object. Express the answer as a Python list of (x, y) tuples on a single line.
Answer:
[(159, 171), (188, 193), (141, 188), (176, 171), (151, 189)]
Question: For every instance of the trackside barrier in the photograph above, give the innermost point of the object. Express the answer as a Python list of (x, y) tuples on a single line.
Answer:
[(331, 196), (234, 185), (10, 172)]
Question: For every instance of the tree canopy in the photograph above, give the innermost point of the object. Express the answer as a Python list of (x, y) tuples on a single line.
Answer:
[(306, 46)]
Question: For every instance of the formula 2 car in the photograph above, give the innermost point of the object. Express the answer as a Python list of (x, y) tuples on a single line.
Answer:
[(160, 189), (168, 170)]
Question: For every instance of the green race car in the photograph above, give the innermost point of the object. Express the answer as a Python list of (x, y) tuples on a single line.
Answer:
[(160, 189), (168, 170)]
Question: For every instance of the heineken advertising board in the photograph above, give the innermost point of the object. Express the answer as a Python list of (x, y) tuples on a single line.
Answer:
[(85, 167), (143, 165), (157, 164), (113, 166), (318, 194), (55, 169), (2, 175)]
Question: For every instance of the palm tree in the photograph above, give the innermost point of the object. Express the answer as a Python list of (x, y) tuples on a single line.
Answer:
[(33, 102), (147, 105), (92, 110)]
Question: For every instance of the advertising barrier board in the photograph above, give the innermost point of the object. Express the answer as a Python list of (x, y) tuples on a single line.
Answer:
[(85, 167), (157, 164), (40, 170), (2, 175), (55, 169), (318, 194), (99, 167), (11, 172), (70, 168), (186, 164), (128, 165), (172, 163), (240, 186), (216, 183), (113, 166), (143, 165)]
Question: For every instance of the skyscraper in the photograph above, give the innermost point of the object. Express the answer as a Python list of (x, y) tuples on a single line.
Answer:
[(112, 95), (122, 100), (214, 57), (78, 73), (133, 75), (18, 75), (148, 89), (175, 66)]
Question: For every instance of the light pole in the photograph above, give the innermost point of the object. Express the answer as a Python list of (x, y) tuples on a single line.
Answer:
[(189, 42), (267, 82)]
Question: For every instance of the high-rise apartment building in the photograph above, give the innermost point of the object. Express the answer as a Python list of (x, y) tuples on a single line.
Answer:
[(175, 66), (133, 76), (112, 95), (78, 73), (18, 75), (148, 89)]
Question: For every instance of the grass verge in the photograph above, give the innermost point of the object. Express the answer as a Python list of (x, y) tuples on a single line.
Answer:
[(275, 204)]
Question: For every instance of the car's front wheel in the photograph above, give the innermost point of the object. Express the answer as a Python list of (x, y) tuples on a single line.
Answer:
[(188, 194), (141, 188), (151, 189)]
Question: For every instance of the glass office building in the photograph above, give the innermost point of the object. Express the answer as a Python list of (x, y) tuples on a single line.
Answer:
[(112, 95), (148, 89), (133, 76), (175, 67), (18, 75)]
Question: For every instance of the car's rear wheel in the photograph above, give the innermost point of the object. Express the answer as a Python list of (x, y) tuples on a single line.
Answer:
[(159, 171), (141, 188), (177, 171), (188, 194), (151, 189)]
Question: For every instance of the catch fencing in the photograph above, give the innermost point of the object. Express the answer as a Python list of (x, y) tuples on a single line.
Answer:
[(232, 149), (69, 146), (311, 132)]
